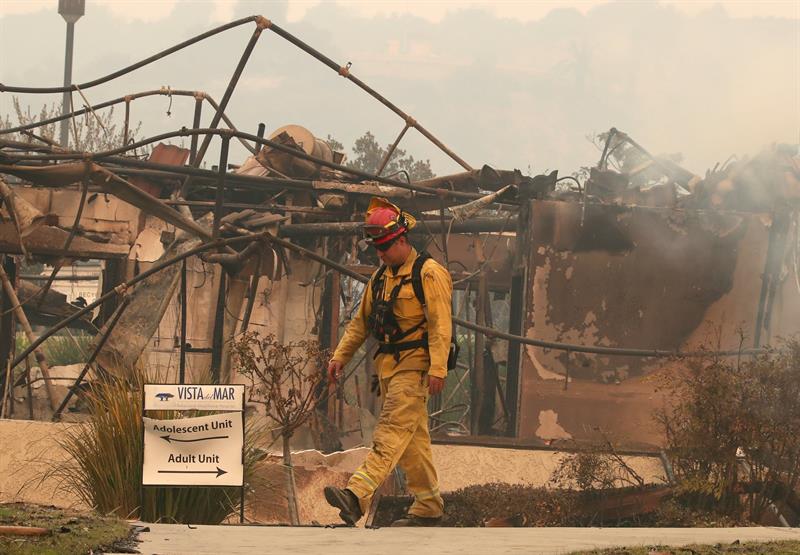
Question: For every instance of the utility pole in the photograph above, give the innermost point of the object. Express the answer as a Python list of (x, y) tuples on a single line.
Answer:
[(71, 11)]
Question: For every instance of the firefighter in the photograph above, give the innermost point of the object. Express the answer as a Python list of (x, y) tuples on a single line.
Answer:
[(406, 306)]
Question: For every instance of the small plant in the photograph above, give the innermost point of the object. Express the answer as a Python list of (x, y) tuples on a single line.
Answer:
[(90, 132), (595, 467), (285, 379)]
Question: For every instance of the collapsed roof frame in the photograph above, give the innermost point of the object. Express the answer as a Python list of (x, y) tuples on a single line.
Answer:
[(261, 24), (108, 162)]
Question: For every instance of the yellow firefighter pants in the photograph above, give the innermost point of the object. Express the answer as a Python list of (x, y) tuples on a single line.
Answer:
[(401, 437)]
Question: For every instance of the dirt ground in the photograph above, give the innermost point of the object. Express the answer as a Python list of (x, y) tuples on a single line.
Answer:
[(30, 450)]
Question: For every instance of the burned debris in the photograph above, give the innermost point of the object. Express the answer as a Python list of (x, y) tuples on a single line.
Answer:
[(571, 290)]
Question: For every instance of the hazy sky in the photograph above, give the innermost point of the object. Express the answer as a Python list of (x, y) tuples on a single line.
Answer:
[(512, 84)]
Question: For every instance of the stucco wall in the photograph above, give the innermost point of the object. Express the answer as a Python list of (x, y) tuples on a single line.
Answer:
[(642, 278)]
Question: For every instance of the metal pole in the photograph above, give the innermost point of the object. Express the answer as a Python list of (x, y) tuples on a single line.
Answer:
[(110, 155), (477, 373), (251, 295), (237, 73), (126, 129), (7, 325), (219, 322), (445, 232), (127, 99), (517, 312), (29, 388), (242, 493), (219, 317), (198, 111), (72, 233), (66, 100), (137, 65), (775, 248), (344, 71), (335, 287), (474, 225), (182, 371), (391, 150), (222, 170)]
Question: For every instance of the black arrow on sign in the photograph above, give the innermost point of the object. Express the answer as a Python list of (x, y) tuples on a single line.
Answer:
[(219, 472), (171, 439)]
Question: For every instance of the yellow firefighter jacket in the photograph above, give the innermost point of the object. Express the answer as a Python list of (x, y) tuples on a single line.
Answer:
[(408, 310)]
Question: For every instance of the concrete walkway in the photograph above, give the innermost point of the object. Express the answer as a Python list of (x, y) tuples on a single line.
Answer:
[(173, 539)]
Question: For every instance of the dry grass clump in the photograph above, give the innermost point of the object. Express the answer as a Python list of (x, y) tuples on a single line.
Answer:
[(107, 453)]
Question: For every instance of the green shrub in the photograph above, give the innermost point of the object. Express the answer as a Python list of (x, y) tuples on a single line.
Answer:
[(107, 455), (60, 350)]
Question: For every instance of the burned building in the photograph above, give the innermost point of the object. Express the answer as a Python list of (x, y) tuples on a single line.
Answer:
[(572, 292)]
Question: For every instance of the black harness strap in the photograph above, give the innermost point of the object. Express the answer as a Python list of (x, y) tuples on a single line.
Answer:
[(416, 276), (416, 279), (397, 345)]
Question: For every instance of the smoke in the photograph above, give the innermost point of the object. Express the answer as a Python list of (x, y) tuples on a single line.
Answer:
[(509, 91)]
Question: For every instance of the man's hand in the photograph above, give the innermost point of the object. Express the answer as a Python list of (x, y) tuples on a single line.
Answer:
[(334, 372), (435, 385)]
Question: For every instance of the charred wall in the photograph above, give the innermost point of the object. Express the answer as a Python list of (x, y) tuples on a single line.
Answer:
[(631, 277)]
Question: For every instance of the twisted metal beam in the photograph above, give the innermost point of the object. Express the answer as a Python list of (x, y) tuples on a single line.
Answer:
[(120, 290), (132, 67), (344, 71), (255, 139), (164, 91), (261, 23)]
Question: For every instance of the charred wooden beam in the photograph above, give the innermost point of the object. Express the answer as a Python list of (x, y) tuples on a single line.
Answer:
[(48, 241), (257, 207), (7, 324), (486, 178), (477, 225)]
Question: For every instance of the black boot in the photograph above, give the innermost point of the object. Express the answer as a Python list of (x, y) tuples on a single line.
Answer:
[(414, 520), (347, 503)]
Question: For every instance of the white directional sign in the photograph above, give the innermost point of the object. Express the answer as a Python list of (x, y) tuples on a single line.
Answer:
[(200, 397), (203, 451)]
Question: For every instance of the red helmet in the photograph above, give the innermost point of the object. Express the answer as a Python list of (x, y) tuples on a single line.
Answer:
[(385, 221)]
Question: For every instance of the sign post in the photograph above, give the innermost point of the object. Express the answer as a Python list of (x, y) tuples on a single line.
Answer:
[(203, 451)]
